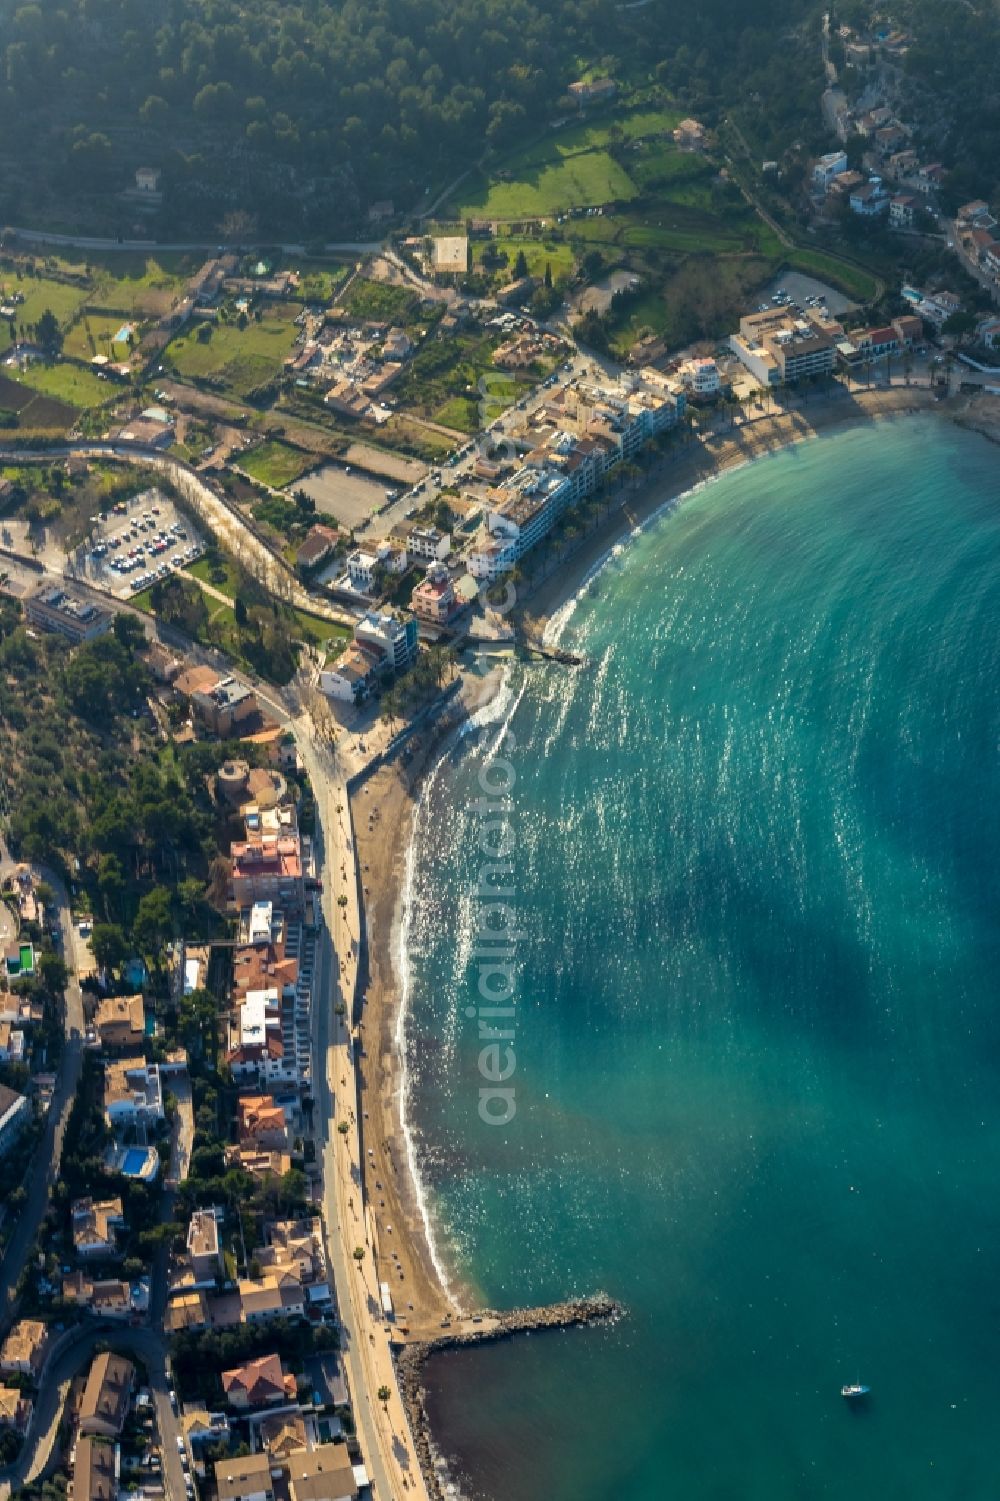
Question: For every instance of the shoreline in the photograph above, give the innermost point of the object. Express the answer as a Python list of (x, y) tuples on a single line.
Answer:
[(706, 459), (391, 798)]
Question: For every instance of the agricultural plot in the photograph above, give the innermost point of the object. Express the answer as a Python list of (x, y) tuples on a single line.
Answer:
[(275, 464), (381, 302), (137, 284), (236, 359), (444, 380), (28, 408)]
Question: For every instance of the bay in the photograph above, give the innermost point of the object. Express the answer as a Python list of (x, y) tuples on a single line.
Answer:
[(754, 859)]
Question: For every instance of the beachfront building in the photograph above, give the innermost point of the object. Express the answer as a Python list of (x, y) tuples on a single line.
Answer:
[(433, 600), (268, 868), (256, 1046), (323, 1474), (351, 676), (779, 347), (392, 633), (701, 379), (580, 434)]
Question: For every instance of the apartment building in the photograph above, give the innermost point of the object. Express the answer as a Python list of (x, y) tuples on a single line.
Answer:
[(778, 346), (268, 869), (393, 634), (433, 599), (57, 609)]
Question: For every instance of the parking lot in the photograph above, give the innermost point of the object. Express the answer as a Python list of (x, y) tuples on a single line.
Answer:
[(806, 291), (142, 540)]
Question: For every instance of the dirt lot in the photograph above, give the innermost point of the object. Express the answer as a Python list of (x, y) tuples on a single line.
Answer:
[(350, 497)]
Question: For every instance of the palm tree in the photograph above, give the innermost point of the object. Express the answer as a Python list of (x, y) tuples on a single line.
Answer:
[(383, 1395)]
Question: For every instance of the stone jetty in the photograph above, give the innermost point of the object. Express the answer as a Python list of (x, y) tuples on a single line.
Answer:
[(485, 1328)]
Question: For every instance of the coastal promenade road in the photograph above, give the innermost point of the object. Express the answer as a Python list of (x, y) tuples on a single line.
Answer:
[(45, 1166), (387, 1443)]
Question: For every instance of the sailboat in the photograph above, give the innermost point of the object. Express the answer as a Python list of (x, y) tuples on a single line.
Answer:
[(854, 1391)]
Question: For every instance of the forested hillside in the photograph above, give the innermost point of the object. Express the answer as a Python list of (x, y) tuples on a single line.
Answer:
[(299, 113)]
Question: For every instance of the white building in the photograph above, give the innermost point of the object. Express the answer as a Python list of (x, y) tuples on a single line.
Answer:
[(395, 635), (133, 1093), (426, 542), (701, 378), (870, 199), (361, 568), (828, 167)]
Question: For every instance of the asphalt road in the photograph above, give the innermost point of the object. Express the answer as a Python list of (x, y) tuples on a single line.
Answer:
[(45, 1166), (144, 1345), (385, 1441)]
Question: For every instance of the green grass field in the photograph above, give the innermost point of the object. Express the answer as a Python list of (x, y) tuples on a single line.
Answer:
[(551, 187), (275, 464), (237, 359), (318, 630), (68, 383), (538, 254), (94, 333), (222, 575), (460, 413), (852, 280), (40, 292), (571, 168)]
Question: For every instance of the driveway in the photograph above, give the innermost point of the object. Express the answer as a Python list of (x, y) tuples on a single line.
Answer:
[(182, 1137)]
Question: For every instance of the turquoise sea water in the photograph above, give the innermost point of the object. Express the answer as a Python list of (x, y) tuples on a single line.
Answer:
[(755, 854)]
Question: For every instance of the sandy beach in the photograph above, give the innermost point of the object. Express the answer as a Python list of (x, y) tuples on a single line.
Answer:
[(384, 811)]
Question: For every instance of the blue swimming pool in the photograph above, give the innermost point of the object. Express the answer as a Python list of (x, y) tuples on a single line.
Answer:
[(133, 1162)]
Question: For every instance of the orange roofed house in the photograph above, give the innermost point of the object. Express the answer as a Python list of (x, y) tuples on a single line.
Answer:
[(120, 1022), (261, 1123), (258, 1383)]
